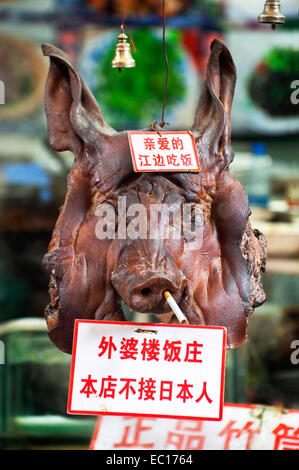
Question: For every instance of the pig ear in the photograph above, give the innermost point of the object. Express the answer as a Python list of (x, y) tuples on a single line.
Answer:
[(74, 117), (212, 123)]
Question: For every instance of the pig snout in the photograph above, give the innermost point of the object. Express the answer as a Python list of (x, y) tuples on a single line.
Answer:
[(147, 297), (142, 282)]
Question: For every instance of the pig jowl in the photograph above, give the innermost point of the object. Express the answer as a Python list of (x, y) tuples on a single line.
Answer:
[(216, 282)]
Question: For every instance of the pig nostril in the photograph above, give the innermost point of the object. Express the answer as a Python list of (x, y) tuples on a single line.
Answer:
[(146, 291)]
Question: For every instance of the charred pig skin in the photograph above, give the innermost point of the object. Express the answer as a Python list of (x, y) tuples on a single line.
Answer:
[(218, 283)]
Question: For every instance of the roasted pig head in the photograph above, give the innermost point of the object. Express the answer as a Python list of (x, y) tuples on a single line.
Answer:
[(216, 278)]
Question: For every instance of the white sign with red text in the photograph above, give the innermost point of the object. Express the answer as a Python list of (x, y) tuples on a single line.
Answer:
[(243, 427), (140, 369), (165, 151)]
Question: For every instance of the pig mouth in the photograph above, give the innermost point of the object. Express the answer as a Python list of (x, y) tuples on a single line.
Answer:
[(142, 289), (148, 297), (165, 314), (144, 307)]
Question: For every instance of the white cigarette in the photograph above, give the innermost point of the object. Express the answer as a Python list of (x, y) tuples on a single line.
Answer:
[(175, 308)]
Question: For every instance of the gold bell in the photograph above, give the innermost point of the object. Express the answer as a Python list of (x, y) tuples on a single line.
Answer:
[(123, 57), (272, 13)]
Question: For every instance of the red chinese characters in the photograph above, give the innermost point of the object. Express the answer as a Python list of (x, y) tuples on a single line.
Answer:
[(186, 435), (172, 350), (106, 346), (129, 349), (108, 387), (88, 388), (149, 143), (138, 433), (177, 143), (158, 160), (153, 151), (287, 437), (151, 350), (144, 389), (163, 143), (231, 431), (144, 160), (186, 159), (133, 434), (128, 388)]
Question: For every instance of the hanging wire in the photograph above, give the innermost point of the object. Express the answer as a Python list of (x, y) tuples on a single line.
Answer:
[(124, 26), (123, 13), (163, 123), (130, 36)]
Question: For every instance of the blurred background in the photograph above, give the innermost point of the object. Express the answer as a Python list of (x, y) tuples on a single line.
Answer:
[(265, 126)]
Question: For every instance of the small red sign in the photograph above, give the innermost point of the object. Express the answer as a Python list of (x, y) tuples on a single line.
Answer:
[(163, 152)]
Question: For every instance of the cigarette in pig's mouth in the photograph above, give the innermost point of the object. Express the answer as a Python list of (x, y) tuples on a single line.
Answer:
[(175, 308)]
